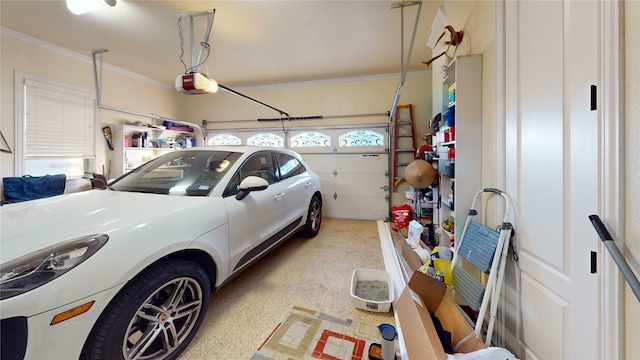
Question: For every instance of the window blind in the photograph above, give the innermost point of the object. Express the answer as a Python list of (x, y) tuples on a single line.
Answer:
[(59, 121)]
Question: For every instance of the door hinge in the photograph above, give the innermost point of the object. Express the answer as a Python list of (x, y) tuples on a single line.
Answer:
[(385, 188), (594, 262), (335, 196), (594, 97)]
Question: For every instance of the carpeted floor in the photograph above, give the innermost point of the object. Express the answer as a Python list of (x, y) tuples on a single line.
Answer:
[(310, 273)]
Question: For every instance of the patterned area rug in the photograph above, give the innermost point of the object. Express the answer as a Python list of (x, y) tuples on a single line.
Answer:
[(307, 334)]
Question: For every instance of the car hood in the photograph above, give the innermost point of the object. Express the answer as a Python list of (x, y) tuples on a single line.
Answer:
[(33, 225)]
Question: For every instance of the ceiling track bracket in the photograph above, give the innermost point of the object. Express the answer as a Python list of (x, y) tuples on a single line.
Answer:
[(98, 81)]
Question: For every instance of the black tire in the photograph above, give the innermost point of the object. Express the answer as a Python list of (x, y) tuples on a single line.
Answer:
[(120, 332), (314, 218)]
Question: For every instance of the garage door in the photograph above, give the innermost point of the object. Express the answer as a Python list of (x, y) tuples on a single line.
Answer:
[(352, 163)]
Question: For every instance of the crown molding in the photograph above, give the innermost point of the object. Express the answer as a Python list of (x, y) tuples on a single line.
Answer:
[(88, 59), (84, 58)]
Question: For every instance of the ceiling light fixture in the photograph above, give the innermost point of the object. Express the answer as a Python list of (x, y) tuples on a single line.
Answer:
[(80, 7)]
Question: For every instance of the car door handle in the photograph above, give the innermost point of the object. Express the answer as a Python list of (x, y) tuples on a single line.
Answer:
[(307, 184), (279, 196)]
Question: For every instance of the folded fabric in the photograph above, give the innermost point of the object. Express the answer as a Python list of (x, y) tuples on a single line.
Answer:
[(24, 188)]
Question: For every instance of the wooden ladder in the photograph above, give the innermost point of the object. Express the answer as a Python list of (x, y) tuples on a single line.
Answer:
[(403, 129)]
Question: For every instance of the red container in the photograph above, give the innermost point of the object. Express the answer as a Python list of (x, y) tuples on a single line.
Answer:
[(452, 153)]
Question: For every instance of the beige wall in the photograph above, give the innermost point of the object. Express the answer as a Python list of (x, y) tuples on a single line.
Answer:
[(632, 176), (20, 53)]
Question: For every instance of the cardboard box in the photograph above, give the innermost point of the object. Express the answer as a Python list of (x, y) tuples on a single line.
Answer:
[(422, 294)]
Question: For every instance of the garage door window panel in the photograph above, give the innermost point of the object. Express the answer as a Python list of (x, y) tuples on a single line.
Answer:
[(225, 139), (266, 139), (310, 139), (361, 138)]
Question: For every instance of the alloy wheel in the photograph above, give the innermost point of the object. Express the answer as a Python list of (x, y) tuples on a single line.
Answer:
[(164, 320)]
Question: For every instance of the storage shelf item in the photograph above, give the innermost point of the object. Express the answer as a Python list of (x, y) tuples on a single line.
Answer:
[(465, 73), (133, 145)]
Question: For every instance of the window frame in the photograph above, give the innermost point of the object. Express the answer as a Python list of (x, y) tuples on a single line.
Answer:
[(89, 164)]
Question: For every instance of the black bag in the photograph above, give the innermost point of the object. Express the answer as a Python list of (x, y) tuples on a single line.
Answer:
[(435, 124), (17, 189)]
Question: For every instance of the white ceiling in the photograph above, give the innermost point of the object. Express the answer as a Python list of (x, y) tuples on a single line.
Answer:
[(252, 42)]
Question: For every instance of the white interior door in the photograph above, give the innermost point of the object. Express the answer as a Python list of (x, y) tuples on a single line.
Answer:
[(552, 172)]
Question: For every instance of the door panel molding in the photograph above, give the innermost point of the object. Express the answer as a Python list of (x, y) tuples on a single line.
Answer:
[(541, 308), (531, 265)]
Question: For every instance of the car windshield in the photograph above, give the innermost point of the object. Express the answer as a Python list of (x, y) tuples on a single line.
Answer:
[(185, 172)]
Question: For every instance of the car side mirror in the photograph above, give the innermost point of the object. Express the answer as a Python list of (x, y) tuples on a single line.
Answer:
[(249, 184)]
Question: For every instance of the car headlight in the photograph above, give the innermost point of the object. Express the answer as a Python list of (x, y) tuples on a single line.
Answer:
[(38, 268)]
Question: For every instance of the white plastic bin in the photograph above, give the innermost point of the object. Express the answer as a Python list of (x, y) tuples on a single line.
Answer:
[(371, 304)]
